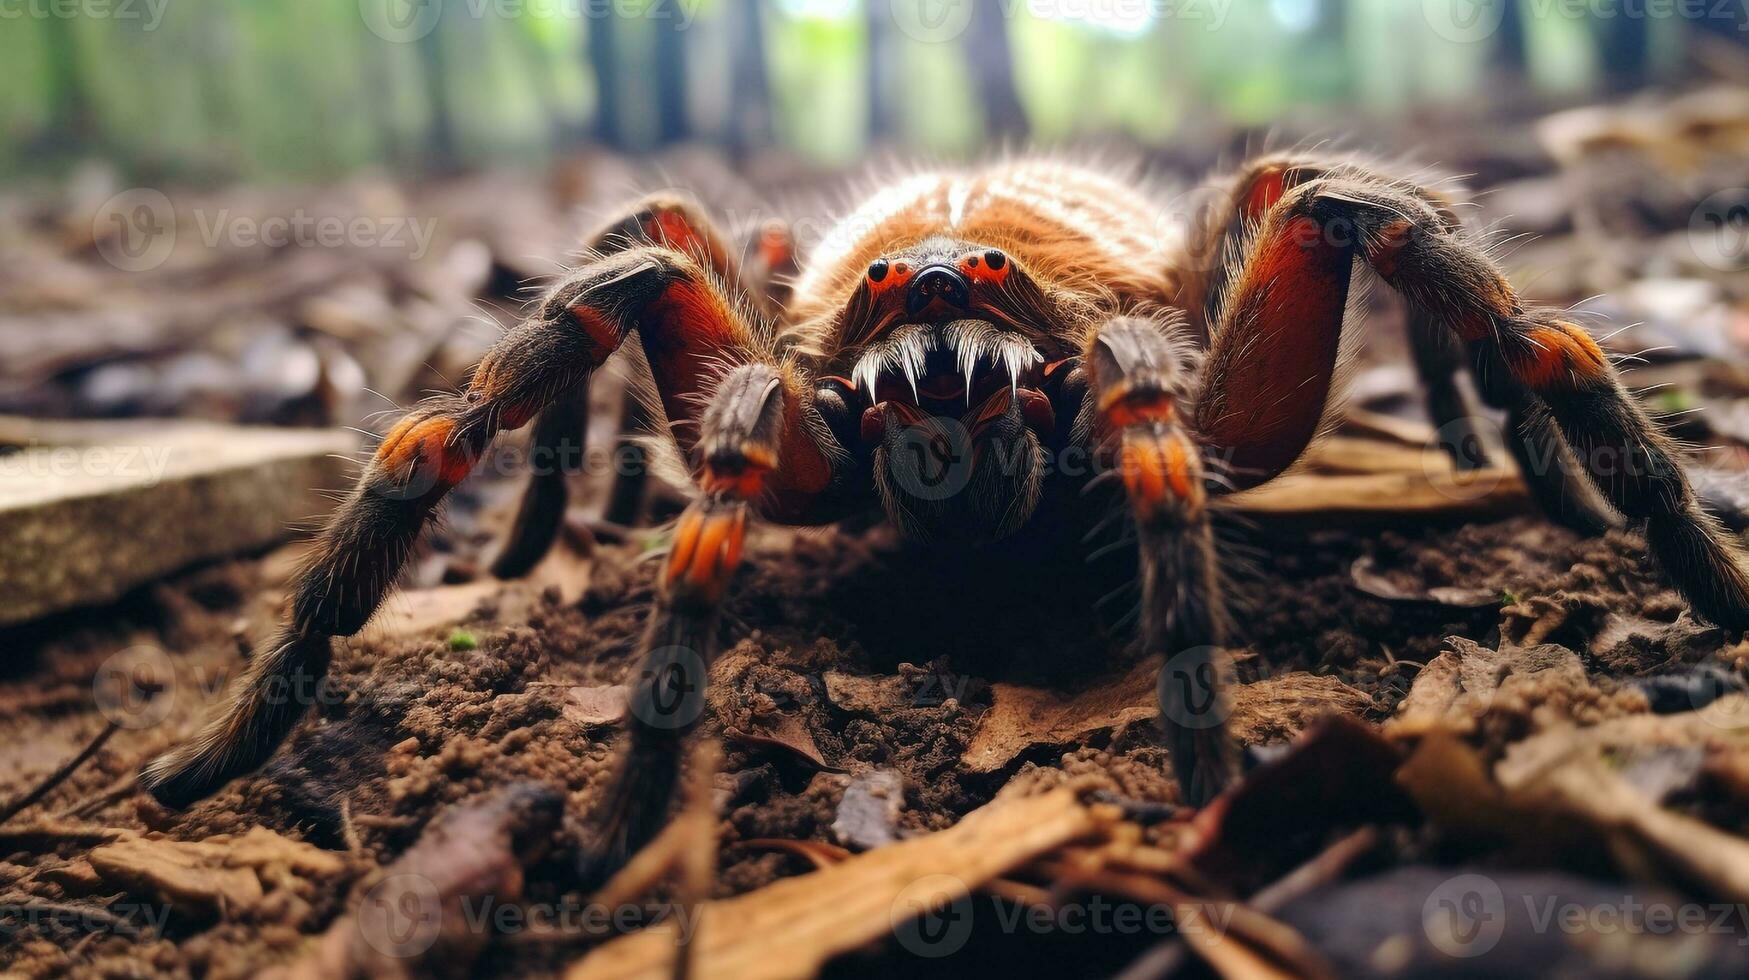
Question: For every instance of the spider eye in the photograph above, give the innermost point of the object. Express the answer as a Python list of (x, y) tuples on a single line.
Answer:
[(877, 270), (995, 259)]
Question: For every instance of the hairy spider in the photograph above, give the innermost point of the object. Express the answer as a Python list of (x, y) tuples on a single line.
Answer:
[(990, 319)]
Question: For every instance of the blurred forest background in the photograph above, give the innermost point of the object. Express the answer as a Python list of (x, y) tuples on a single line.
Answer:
[(280, 210), (202, 89)]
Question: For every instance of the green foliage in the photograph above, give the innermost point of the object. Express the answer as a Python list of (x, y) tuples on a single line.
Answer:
[(817, 69), (311, 87)]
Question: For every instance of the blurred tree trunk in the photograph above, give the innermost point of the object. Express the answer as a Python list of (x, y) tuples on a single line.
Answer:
[(544, 74), (71, 122), (1624, 44), (991, 59), (442, 139), (1511, 50), (609, 125), (750, 124), (672, 124), (882, 120)]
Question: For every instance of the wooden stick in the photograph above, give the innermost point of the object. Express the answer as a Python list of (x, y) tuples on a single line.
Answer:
[(60, 775)]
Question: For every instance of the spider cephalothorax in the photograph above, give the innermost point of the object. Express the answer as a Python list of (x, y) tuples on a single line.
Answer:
[(937, 357), (947, 347)]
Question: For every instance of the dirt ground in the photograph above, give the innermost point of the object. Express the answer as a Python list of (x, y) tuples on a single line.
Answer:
[(848, 654)]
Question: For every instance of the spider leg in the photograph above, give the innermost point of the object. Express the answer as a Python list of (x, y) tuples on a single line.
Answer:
[(1543, 456), (1268, 373), (1548, 465), (1553, 473), (1136, 380), (757, 429), (689, 331), (556, 447), (772, 268)]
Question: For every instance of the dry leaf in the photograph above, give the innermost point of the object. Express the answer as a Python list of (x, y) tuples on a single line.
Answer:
[(1021, 717), (417, 611), (1271, 709), (787, 732), (1337, 776), (1460, 684), (1369, 579), (1276, 709)]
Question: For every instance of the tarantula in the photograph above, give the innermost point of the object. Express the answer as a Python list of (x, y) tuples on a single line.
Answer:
[(939, 346)]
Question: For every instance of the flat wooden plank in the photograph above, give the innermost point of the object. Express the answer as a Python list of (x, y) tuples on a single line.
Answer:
[(90, 510)]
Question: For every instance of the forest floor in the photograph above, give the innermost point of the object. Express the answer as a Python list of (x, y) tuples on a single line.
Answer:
[(1544, 769)]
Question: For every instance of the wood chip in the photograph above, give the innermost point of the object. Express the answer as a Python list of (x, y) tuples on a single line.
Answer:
[(1478, 493), (266, 850), (864, 695), (53, 830), (213, 877), (191, 877), (596, 707), (1586, 786), (794, 927)]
